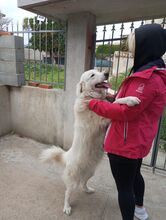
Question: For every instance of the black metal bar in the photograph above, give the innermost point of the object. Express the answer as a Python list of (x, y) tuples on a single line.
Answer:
[(109, 40), (42, 31), (156, 146), (104, 30)]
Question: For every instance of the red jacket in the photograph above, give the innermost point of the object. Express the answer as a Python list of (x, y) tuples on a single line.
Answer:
[(133, 129)]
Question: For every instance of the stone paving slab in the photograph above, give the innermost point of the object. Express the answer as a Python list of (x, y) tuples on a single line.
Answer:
[(30, 190)]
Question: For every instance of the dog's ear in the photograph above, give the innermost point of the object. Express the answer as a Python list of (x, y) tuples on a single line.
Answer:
[(79, 88)]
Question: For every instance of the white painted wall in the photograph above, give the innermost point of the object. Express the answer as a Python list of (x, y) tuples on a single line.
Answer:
[(30, 54), (120, 60)]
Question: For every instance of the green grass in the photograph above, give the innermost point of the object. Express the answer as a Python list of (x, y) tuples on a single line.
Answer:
[(163, 128), (116, 82), (45, 73)]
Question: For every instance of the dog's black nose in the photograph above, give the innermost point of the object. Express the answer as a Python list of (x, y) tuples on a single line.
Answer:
[(106, 75)]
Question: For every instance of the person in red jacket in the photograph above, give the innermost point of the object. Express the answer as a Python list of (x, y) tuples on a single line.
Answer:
[(132, 130)]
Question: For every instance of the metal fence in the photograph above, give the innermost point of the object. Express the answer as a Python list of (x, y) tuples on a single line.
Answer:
[(44, 50), (112, 54), (44, 42)]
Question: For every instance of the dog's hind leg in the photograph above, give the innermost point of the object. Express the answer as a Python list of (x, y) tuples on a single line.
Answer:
[(67, 207), (86, 188), (71, 185), (69, 189)]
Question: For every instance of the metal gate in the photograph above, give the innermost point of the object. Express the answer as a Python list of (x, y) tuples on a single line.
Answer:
[(44, 50), (112, 54)]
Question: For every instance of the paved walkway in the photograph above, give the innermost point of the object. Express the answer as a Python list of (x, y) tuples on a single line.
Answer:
[(30, 190)]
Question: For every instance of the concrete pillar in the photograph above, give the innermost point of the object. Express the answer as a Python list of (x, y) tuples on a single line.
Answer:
[(11, 60), (80, 48)]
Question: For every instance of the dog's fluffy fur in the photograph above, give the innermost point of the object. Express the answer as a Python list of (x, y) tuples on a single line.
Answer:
[(81, 159)]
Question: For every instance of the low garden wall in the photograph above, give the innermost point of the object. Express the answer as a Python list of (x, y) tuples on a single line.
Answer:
[(38, 113)]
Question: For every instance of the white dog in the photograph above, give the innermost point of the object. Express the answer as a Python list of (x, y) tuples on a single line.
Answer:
[(81, 159)]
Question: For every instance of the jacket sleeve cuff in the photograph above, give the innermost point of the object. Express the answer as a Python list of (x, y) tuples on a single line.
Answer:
[(92, 103)]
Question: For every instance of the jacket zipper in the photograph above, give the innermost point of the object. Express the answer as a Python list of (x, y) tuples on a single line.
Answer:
[(125, 131), (106, 135)]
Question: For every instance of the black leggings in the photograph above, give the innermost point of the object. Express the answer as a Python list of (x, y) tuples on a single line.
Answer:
[(130, 183)]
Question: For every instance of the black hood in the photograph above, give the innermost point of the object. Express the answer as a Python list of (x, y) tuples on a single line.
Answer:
[(150, 45)]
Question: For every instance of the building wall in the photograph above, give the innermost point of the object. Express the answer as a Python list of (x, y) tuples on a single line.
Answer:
[(30, 54), (121, 60)]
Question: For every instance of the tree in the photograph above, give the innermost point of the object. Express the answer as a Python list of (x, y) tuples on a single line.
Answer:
[(52, 42), (4, 22), (124, 44), (106, 50)]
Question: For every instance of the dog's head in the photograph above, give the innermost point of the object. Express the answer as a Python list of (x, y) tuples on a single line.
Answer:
[(93, 83)]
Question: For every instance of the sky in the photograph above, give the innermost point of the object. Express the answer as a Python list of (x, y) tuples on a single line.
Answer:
[(10, 9)]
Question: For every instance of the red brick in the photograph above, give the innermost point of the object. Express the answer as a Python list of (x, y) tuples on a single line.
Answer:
[(35, 84), (2, 33), (45, 86)]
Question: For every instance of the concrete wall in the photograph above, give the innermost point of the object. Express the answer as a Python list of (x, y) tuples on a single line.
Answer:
[(38, 113), (5, 119), (120, 61)]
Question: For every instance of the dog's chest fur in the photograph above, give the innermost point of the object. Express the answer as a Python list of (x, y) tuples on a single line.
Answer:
[(89, 133)]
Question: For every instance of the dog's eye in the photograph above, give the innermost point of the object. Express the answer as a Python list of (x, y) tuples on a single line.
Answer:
[(92, 75)]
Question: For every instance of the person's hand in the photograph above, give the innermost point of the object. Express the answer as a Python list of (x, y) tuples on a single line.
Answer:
[(86, 101), (110, 97)]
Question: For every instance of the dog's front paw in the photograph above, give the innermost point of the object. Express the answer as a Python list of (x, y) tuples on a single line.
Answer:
[(67, 210), (131, 101)]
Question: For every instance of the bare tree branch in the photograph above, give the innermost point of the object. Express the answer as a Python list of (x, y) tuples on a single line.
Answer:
[(4, 22)]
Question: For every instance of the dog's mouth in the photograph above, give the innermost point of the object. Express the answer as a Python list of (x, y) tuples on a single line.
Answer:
[(103, 85)]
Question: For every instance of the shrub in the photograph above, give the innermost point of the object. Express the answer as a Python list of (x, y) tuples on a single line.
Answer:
[(106, 50), (116, 81)]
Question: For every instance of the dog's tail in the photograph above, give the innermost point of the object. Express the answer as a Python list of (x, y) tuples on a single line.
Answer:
[(53, 154)]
